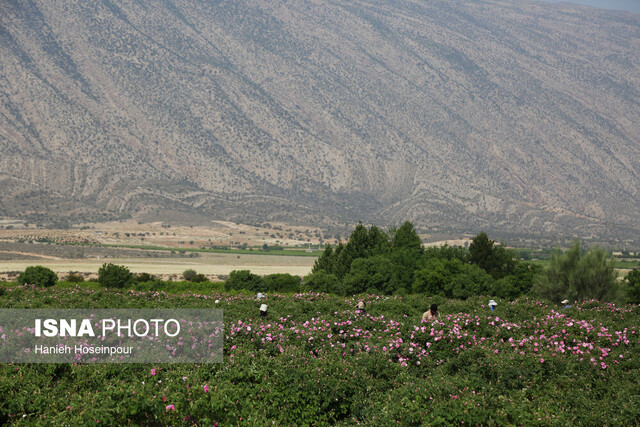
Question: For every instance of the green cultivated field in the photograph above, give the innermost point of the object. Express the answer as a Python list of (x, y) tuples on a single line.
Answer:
[(315, 361)]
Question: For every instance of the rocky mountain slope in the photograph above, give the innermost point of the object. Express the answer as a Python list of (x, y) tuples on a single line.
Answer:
[(494, 115)]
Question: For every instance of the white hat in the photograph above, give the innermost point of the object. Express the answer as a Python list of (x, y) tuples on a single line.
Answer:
[(566, 301), (263, 307), (260, 295), (492, 302)]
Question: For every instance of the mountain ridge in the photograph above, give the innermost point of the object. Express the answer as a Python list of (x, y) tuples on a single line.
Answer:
[(515, 116)]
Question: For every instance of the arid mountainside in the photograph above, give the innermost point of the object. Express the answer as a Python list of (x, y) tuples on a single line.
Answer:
[(496, 115)]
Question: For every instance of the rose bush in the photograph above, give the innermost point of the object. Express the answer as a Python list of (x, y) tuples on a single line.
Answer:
[(314, 360)]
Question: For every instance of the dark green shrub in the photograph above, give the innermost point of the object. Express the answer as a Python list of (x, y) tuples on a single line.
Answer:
[(519, 282), (74, 278), (199, 278), (282, 282), (114, 276), (244, 279), (38, 275), (373, 275), (189, 275), (320, 281), (452, 278), (144, 277)]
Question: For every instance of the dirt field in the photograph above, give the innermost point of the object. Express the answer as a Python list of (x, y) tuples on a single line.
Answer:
[(58, 249), (213, 265), (130, 232)]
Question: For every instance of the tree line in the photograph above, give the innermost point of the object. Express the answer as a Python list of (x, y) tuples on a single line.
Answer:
[(396, 262)]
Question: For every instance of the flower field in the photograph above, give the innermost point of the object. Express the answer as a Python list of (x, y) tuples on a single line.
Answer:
[(314, 360)]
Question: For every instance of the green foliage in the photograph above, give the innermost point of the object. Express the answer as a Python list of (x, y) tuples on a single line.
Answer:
[(199, 278), (436, 275), (452, 278), (321, 281), (632, 282), (114, 276), (519, 282), (39, 276), (480, 250), (372, 275), (325, 261), (378, 242), (574, 276), (404, 263), (356, 247), (144, 277), (74, 278), (406, 237), (157, 285), (268, 248), (362, 243), (244, 279), (282, 282), (406, 251), (189, 275), (447, 252), (494, 259), (326, 365), (388, 262)]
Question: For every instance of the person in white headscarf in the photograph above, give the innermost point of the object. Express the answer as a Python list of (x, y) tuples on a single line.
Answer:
[(492, 304)]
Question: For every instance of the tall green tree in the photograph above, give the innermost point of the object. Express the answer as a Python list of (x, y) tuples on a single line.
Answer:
[(494, 259), (480, 250), (377, 242), (406, 236), (573, 275), (356, 247), (325, 261), (406, 251)]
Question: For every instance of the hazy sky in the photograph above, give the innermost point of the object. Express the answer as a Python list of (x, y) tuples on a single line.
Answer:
[(631, 5)]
